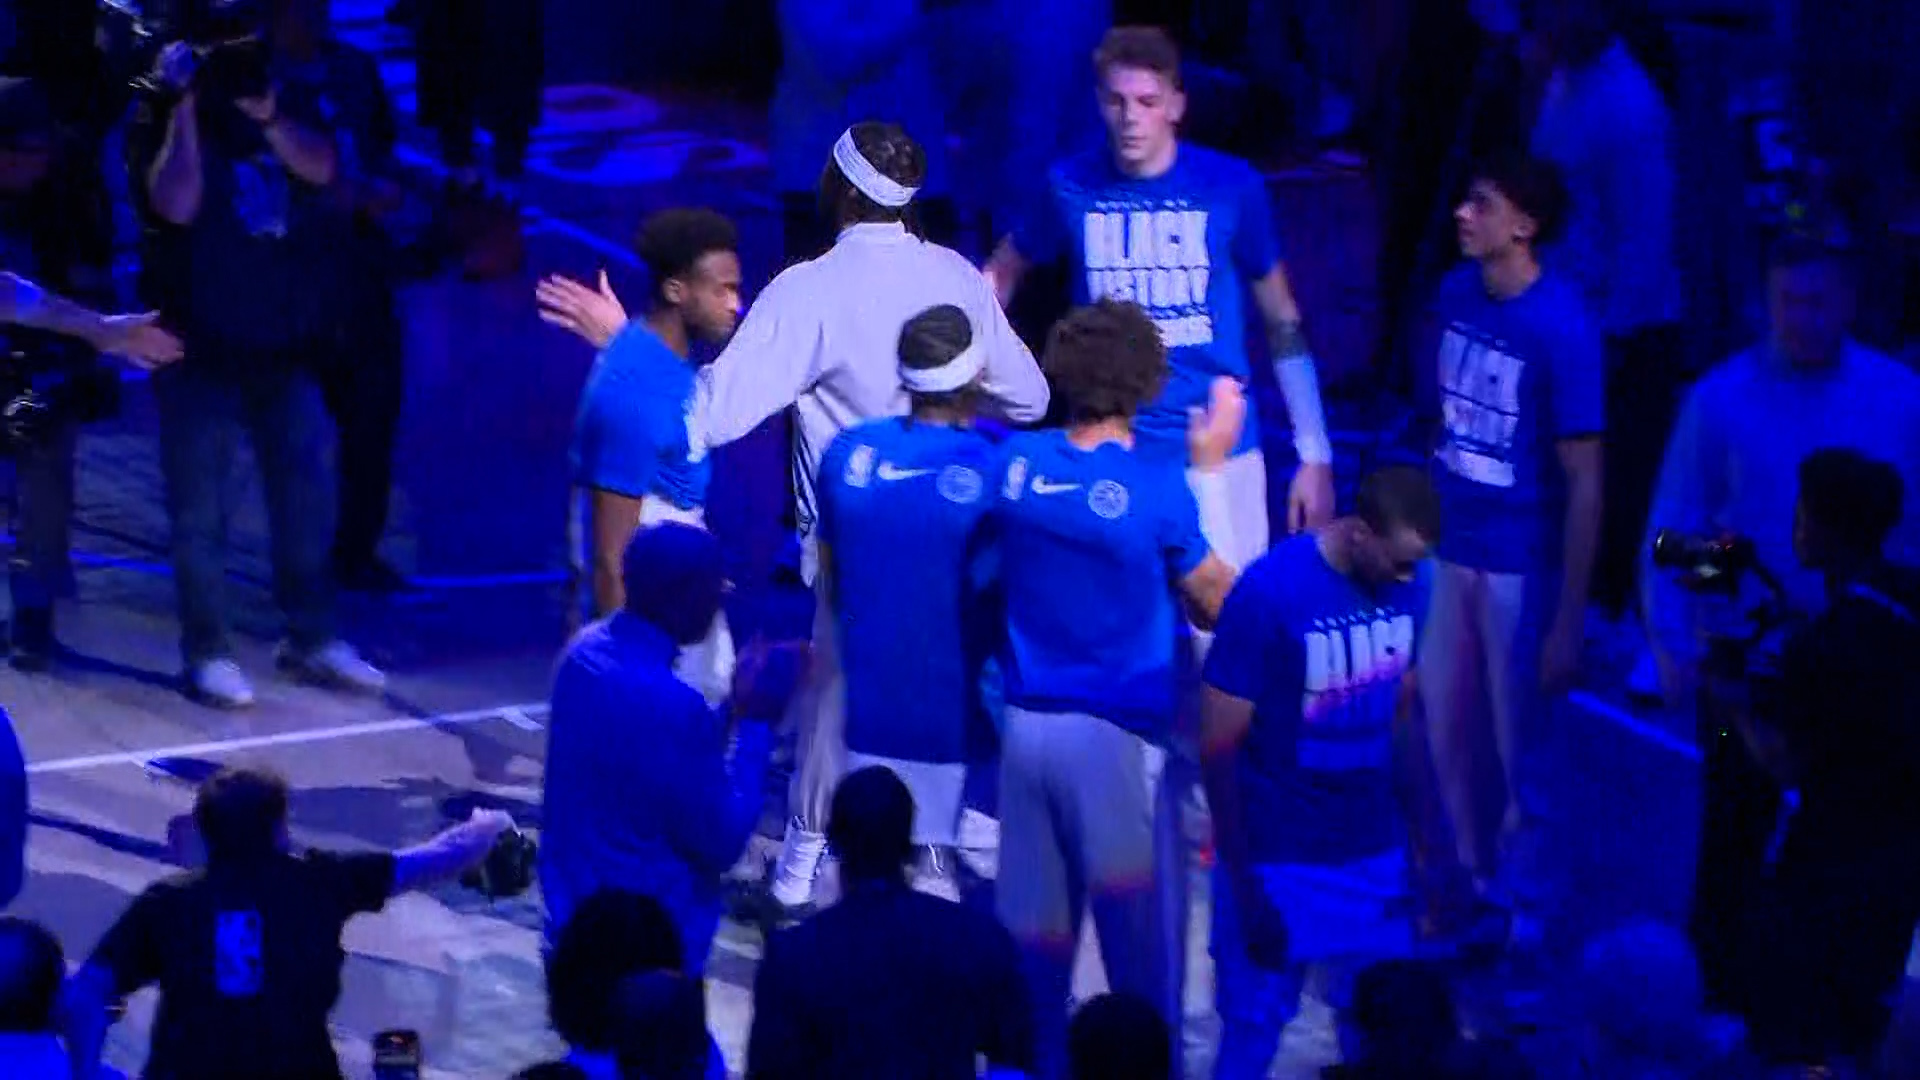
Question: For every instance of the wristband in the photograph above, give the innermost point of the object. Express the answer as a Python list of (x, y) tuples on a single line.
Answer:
[(1300, 387)]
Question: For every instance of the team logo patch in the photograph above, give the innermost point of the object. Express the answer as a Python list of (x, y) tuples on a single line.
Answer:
[(860, 466), (1016, 479), (1107, 499), (959, 484)]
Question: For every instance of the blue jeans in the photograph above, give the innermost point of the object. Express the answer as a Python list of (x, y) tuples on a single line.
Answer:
[(202, 418)]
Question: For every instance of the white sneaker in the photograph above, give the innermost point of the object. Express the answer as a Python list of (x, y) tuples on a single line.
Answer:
[(336, 665), (798, 866), (220, 683), (979, 846)]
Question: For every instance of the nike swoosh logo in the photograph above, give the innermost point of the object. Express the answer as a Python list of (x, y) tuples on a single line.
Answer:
[(890, 472), (1043, 486)]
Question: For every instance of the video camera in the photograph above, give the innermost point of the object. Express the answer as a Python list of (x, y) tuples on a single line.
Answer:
[(45, 385), (1742, 656), (225, 35), (509, 869)]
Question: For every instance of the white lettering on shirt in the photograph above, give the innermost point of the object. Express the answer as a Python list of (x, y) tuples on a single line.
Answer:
[(1156, 258), (1346, 703), (1480, 407)]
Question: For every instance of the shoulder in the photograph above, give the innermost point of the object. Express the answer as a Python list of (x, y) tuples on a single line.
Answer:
[(1217, 167), (1459, 287), (1727, 378), (1560, 305), (1885, 370), (1084, 171)]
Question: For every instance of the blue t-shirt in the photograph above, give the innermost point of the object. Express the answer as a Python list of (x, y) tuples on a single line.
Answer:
[(1321, 657), (631, 435), (1512, 379), (901, 510), (1092, 544), (1185, 245)]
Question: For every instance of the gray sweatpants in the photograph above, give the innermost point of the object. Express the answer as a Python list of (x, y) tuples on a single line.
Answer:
[(818, 715), (1480, 687), (1086, 825)]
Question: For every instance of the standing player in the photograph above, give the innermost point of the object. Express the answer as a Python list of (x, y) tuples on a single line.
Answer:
[(1309, 678), (1182, 231), (1095, 540), (1519, 402), (824, 337), (901, 508), (636, 460)]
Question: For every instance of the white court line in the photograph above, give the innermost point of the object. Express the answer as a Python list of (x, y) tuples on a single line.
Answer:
[(1633, 725), (524, 711)]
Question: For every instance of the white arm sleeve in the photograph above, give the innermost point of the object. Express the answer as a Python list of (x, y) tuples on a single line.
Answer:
[(1300, 386), (773, 358)]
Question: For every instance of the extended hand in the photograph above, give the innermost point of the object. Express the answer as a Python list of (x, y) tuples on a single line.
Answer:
[(139, 338), (175, 65), (1213, 432), (592, 315), (1310, 499)]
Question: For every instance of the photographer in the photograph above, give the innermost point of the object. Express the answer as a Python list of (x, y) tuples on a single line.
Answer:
[(51, 379), (247, 951), (360, 369), (1830, 925), (1729, 468), (230, 175)]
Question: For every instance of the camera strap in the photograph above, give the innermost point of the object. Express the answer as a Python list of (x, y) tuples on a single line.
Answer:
[(1887, 603)]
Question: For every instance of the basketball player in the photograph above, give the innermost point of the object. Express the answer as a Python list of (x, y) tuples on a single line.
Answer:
[(1307, 684), (635, 460), (1096, 539), (901, 509), (824, 336), (1182, 231)]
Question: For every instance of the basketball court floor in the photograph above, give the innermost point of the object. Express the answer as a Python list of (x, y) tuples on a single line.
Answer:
[(480, 521)]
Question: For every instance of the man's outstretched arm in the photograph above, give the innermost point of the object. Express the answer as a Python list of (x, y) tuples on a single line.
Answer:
[(137, 337)]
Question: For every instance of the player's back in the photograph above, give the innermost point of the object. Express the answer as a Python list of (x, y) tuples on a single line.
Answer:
[(1091, 545), (862, 292), (902, 502)]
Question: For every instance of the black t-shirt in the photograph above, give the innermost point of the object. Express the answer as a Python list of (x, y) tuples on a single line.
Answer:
[(1850, 712), (233, 282), (248, 963)]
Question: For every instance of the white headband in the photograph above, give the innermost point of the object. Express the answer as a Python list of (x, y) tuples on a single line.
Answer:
[(948, 377), (866, 179)]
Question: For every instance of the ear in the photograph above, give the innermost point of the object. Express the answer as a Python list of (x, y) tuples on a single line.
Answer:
[(674, 291), (1177, 105), (1525, 228)]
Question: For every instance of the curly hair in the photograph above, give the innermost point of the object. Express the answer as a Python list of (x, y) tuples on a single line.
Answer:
[(672, 242), (1536, 187), (896, 156), (1105, 360)]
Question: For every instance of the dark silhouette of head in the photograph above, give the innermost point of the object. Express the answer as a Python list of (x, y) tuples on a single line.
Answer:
[(1106, 360), (674, 579), (1401, 1019), (1119, 1036), (870, 825), (241, 815), (611, 937), (1849, 504), (32, 969), (663, 1027), (893, 154)]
